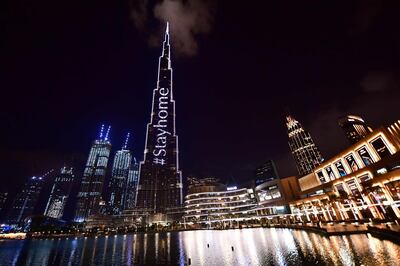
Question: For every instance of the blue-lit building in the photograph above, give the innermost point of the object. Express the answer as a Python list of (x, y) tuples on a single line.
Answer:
[(131, 185), (25, 202), (119, 178), (90, 193), (60, 193)]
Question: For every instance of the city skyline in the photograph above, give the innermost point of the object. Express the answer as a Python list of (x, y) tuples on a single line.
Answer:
[(315, 79), (200, 132)]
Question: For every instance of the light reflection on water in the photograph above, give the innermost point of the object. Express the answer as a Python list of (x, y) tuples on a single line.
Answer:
[(251, 247)]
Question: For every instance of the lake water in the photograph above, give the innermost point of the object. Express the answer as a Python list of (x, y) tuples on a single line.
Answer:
[(261, 246)]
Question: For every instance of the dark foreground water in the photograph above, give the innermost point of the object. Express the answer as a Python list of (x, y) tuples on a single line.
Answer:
[(251, 247)]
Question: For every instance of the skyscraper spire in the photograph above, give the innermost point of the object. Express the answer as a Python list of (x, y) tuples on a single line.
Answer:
[(107, 133), (166, 46), (126, 141)]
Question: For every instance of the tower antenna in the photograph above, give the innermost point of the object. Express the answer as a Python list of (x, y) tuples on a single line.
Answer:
[(126, 141), (46, 174), (107, 133), (101, 131)]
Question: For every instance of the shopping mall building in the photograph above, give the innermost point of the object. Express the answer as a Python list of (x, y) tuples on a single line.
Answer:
[(360, 183)]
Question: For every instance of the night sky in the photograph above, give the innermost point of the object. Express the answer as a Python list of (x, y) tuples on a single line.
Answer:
[(67, 67)]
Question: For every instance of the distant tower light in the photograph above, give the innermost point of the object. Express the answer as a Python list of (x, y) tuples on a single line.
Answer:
[(126, 141), (101, 131), (107, 133)]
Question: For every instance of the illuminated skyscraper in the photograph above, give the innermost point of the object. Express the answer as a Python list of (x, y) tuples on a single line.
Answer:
[(94, 174), (119, 178), (25, 202), (131, 185), (160, 180), (305, 153), (266, 172), (60, 193), (354, 127)]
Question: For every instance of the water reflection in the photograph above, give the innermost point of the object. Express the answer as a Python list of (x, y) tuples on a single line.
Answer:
[(250, 247)]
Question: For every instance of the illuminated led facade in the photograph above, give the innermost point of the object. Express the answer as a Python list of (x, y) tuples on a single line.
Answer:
[(160, 180), (25, 202), (354, 127), (266, 172), (305, 153), (89, 196), (60, 193), (119, 179)]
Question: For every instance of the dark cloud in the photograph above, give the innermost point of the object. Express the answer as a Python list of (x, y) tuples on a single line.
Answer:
[(139, 13), (187, 19), (378, 81), (365, 15)]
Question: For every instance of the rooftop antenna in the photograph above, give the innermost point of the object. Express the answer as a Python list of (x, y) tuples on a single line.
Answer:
[(101, 131), (107, 133), (126, 141), (46, 174)]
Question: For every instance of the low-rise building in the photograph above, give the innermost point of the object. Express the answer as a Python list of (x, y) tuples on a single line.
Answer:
[(210, 203)]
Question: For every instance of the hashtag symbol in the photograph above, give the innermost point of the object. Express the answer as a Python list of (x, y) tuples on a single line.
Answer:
[(159, 161)]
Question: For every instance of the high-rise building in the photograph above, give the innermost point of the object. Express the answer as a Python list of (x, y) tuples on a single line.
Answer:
[(305, 153), (160, 180), (354, 127), (265, 172), (131, 185), (25, 202), (90, 193), (59, 194), (119, 178)]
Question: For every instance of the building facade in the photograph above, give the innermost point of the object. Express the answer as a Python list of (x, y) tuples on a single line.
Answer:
[(265, 172), (25, 202), (60, 193), (90, 194), (119, 178), (354, 128), (304, 151), (360, 183), (131, 185), (210, 204), (160, 180)]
